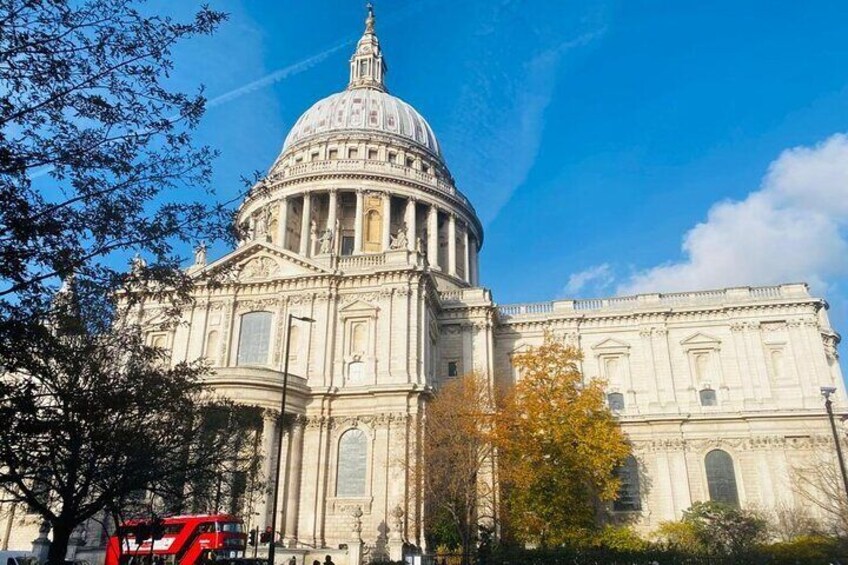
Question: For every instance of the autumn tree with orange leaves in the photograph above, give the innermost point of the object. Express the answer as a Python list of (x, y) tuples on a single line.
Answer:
[(558, 447), (458, 479)]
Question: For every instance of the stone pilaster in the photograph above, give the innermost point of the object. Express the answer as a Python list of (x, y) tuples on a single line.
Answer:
[(387, 221), (357, 223), (306, 224), (282, 222), (433, 237), (452, 245)]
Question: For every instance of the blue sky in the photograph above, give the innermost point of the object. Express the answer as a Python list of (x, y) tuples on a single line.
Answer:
[(609, 147)]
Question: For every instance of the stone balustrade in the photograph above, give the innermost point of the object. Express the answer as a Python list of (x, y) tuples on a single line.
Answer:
[(383, 168), (649, 301)]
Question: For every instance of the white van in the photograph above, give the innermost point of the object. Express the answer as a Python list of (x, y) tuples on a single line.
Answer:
[(17, 558)]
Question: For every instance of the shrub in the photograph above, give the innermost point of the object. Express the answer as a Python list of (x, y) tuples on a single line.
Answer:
[(726, 530)]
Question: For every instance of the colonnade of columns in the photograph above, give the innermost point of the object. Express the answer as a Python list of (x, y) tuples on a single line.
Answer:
[(454, 229), (288, 498)]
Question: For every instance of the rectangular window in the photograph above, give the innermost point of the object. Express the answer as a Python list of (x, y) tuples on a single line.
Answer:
[(453, 369), (708, 397), (333, 154), (313, 156), (353, 153), (347, 245), (615, 400), (254, 338), (372, 154), (392, 157), (410, 162)]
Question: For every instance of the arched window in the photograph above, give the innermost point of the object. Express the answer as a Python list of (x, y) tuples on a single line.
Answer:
[(721, 479), (350, 477), (615, 400), (629, 498), (708, 397), (254, 338)]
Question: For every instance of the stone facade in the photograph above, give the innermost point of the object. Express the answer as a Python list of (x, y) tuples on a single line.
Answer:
[(360, 227)]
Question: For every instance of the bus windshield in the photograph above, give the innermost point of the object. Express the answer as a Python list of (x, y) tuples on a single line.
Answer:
[(231, 527)]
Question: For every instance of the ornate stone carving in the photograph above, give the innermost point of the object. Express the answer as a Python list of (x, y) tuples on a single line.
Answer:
[(325, 242), (397, 522), (399, 240), (356, 522), (200, 255), (259, 268), (315, 422)]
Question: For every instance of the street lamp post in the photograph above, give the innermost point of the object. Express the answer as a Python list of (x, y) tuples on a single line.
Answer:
[(272, 543), (828, 404)]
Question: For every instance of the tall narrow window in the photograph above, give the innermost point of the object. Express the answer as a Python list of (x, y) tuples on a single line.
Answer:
[(629, 498), (721, 479), (254, 338), (352, 464)]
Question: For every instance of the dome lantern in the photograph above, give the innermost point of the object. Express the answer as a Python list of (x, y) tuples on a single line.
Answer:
[(367, 69)]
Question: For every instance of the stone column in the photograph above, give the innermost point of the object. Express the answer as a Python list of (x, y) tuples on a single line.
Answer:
[(293, 500), (452, 245), (411, 229), (269, 448), (467, 254), (306, 224), (357, 223), (387, 220), (475, 281), (282, 222), (332, 212), (433, 237)]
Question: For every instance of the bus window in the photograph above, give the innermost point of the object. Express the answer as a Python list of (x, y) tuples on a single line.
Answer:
[(231, 527), (206, 527)]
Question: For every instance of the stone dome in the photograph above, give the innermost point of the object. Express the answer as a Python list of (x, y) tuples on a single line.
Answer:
[(364, 110)]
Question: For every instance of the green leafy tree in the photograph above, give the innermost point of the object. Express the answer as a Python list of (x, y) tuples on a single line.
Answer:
[(726, 530), (96, 153), (558, 447), (97, 161)]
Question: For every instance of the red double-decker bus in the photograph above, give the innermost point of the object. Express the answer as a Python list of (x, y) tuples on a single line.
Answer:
[(187, 540)]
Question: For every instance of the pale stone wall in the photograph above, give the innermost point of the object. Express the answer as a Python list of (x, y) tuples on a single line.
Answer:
[(764, 351)]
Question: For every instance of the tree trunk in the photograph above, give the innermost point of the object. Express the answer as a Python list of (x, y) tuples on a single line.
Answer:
[(59, 545)]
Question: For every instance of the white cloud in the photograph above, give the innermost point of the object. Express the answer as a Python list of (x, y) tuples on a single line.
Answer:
[(595, 278), (791, 229)]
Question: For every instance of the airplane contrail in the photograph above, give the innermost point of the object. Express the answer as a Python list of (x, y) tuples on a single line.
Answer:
[(277, 75)]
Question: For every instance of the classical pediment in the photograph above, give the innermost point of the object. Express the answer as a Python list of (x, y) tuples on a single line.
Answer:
[(610, 344), (700, 340), (262, 261), (358, 308)]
